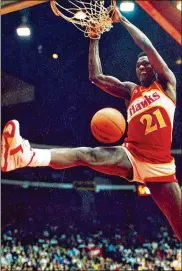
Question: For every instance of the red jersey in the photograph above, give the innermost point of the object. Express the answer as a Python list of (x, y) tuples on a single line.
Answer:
[(150, 123)]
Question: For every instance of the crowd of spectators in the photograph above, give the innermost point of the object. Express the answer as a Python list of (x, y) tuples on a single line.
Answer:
[(114, 250)]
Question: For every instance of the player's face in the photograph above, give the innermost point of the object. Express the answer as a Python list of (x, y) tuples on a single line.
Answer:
[(145, 71)]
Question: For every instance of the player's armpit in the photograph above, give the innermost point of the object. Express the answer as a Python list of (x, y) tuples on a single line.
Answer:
[(160, 65), (114, 86)]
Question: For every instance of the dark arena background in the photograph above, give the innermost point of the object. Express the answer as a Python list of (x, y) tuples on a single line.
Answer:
[(79, 219)]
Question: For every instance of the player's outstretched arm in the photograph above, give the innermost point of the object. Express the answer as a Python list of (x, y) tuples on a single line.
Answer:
[(146, 45), (107, 83)]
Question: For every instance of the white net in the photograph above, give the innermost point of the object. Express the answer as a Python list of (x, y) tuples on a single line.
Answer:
[(92, 16)]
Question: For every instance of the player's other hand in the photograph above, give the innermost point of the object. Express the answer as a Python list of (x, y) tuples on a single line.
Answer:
[(92, 33), (117, 17)]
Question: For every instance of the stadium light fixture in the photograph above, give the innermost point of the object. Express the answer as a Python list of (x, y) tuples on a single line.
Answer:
[(23, 30), (127, 6), (55, 56), (80, 15), (143, 190), (179, 61)]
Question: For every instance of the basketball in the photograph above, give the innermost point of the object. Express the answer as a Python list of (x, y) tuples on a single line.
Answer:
[(108, 125)]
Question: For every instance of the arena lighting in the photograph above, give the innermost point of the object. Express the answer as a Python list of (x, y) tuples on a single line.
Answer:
[(179, 61), (143, 190), (80, 15), (127, 6), (178, 5), (55, 56), (23, 31)]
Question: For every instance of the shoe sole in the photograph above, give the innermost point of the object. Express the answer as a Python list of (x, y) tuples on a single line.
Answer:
[(9, 131)]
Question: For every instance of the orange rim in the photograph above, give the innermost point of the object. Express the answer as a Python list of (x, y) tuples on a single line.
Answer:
[(57, 12)]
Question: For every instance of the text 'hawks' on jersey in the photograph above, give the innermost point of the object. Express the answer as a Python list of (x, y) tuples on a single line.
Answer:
[(150, 124)]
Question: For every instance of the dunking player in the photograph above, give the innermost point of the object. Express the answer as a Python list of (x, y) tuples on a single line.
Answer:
[(145, 156)]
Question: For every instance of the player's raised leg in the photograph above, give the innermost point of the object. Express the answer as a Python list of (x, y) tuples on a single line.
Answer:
[(168, 198), (108, 160), (17, 153)]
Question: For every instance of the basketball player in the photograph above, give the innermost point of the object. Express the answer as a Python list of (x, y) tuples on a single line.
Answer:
[(145, 155)]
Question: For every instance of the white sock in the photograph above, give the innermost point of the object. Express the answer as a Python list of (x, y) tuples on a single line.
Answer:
[(42, 158)]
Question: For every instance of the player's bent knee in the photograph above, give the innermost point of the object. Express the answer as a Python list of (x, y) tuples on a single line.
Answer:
[(86, 155), (103, 156), (92, 156)]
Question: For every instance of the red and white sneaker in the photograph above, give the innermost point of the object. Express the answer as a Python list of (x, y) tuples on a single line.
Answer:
[(15, 151)]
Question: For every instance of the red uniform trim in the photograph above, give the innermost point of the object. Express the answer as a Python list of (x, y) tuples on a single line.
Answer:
[(143, 89), (158, 179), (143, 159)]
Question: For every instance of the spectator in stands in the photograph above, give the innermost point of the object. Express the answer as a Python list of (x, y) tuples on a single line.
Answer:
[(96, 251)]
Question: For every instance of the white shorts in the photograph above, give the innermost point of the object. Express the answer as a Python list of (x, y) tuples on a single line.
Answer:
[(149, 172)]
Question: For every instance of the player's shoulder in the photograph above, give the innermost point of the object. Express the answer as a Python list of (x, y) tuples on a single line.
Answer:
[(130, 85)]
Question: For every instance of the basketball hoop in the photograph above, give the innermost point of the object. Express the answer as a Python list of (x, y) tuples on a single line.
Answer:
[(94, 15)]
